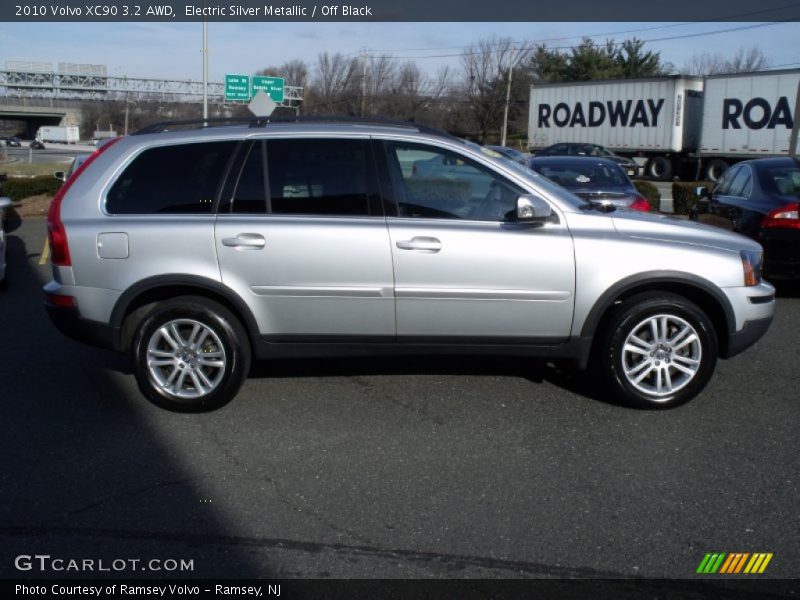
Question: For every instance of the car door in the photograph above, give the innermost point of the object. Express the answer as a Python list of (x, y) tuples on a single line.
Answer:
[(301, 236), (463, 269), (733, 197)]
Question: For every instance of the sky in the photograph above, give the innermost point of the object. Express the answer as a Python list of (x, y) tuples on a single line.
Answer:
[(173, 51)]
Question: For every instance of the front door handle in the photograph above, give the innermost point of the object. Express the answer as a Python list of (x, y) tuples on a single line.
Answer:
[(426, 244), (252, 241)]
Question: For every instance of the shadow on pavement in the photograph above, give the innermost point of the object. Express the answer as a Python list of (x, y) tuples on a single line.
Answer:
[(87, 471)]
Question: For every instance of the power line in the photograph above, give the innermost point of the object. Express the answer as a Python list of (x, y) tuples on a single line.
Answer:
[(620, 32), (661, 39)]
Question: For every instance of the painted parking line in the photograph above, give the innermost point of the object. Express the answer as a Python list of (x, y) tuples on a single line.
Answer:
[(45, 256)]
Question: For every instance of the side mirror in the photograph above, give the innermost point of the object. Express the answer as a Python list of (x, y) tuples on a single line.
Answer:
[(702, 192), (60, 175), (532, 208)]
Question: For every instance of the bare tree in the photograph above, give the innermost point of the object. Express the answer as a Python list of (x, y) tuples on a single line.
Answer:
[(333, 87), (752, 59), (744, 60), (294, 72), (485, 68)]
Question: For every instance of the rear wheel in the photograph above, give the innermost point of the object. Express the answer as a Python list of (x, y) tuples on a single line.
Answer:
[(715, 168), (190, 355), (660, 351)]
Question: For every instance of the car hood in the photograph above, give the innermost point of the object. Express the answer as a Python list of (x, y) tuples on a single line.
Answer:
[(674, 229)]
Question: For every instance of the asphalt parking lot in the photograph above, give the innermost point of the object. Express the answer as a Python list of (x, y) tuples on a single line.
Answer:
[(391, 467)]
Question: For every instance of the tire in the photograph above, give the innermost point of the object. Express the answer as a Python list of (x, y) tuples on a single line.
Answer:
[(659, 168), (640, 367), (204, 350), (715, 168)]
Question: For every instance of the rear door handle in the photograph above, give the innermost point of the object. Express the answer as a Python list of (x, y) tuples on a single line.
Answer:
[(426, 244), (252, 241)]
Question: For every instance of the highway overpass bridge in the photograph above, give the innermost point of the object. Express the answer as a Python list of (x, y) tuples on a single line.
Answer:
[(34, 94)]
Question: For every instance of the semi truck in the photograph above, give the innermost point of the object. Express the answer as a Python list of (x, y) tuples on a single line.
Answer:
[(677, 125), (62, 135)]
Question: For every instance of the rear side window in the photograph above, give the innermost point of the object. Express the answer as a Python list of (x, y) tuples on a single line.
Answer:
[(179, 179)]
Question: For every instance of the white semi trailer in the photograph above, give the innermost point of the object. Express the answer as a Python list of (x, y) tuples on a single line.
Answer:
[(673, 125)]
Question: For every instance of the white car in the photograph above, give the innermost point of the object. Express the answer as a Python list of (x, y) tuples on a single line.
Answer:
[(5, 203)]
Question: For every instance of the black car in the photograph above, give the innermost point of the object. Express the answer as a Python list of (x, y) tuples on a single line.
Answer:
[(572, 149), (37, 145), (761, 199), (511, 153), (597, 180)]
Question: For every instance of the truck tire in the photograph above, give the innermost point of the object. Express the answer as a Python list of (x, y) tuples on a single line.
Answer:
[(715, 168), (659, 168)]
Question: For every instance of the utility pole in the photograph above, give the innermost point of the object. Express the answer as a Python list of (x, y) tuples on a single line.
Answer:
[(795, 125), (205, 67), (508, 94), (363, 81)]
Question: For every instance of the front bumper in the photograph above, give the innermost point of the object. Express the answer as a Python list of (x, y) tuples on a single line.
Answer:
[(747, 336)]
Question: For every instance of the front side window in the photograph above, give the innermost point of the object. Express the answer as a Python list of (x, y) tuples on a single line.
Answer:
[(321, 177), (179, 179), (723, 186), (430, 182)]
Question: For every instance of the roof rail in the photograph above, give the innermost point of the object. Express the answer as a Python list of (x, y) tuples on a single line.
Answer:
[(280, 119)]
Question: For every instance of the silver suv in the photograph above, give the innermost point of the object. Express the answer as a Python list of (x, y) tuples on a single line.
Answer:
[(196, 250)]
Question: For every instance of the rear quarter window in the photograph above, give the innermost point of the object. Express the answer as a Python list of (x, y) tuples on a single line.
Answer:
[(179, 179)]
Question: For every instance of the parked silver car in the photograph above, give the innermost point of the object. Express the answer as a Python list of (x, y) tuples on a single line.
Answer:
[(196, 250)]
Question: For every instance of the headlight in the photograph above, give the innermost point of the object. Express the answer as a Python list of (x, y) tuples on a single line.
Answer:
[(751, 264)]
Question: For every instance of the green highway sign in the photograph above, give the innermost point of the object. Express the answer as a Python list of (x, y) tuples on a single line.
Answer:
[(237, 87), (272, 86)]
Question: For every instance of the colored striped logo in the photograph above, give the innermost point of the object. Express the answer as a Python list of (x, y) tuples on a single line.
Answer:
[(734, 563)]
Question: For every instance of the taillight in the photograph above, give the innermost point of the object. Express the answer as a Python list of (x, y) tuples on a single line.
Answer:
[(61, 301), (56, 234), (640, 204), (785, 217)]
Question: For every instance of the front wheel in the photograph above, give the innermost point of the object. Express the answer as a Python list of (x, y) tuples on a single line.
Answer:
[(190, 355), (660, 351), (659, 168)]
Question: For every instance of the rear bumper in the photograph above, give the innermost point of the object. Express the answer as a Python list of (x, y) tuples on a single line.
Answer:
[(781, 253), (69, 322)]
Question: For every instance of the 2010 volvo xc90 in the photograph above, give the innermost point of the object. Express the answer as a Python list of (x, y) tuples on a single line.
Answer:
[(196, 250)]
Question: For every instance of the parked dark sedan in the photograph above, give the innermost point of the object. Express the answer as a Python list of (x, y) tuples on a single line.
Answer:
[(598, 180), (572, 149), (761, 199)]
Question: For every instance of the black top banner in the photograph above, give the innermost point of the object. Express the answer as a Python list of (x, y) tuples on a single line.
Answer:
[(399, 10)]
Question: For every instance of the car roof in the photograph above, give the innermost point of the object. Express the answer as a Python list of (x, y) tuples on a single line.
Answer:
[(776, 162)]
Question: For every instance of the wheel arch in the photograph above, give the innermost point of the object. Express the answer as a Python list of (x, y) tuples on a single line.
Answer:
[(165, 287), (696, 289)]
